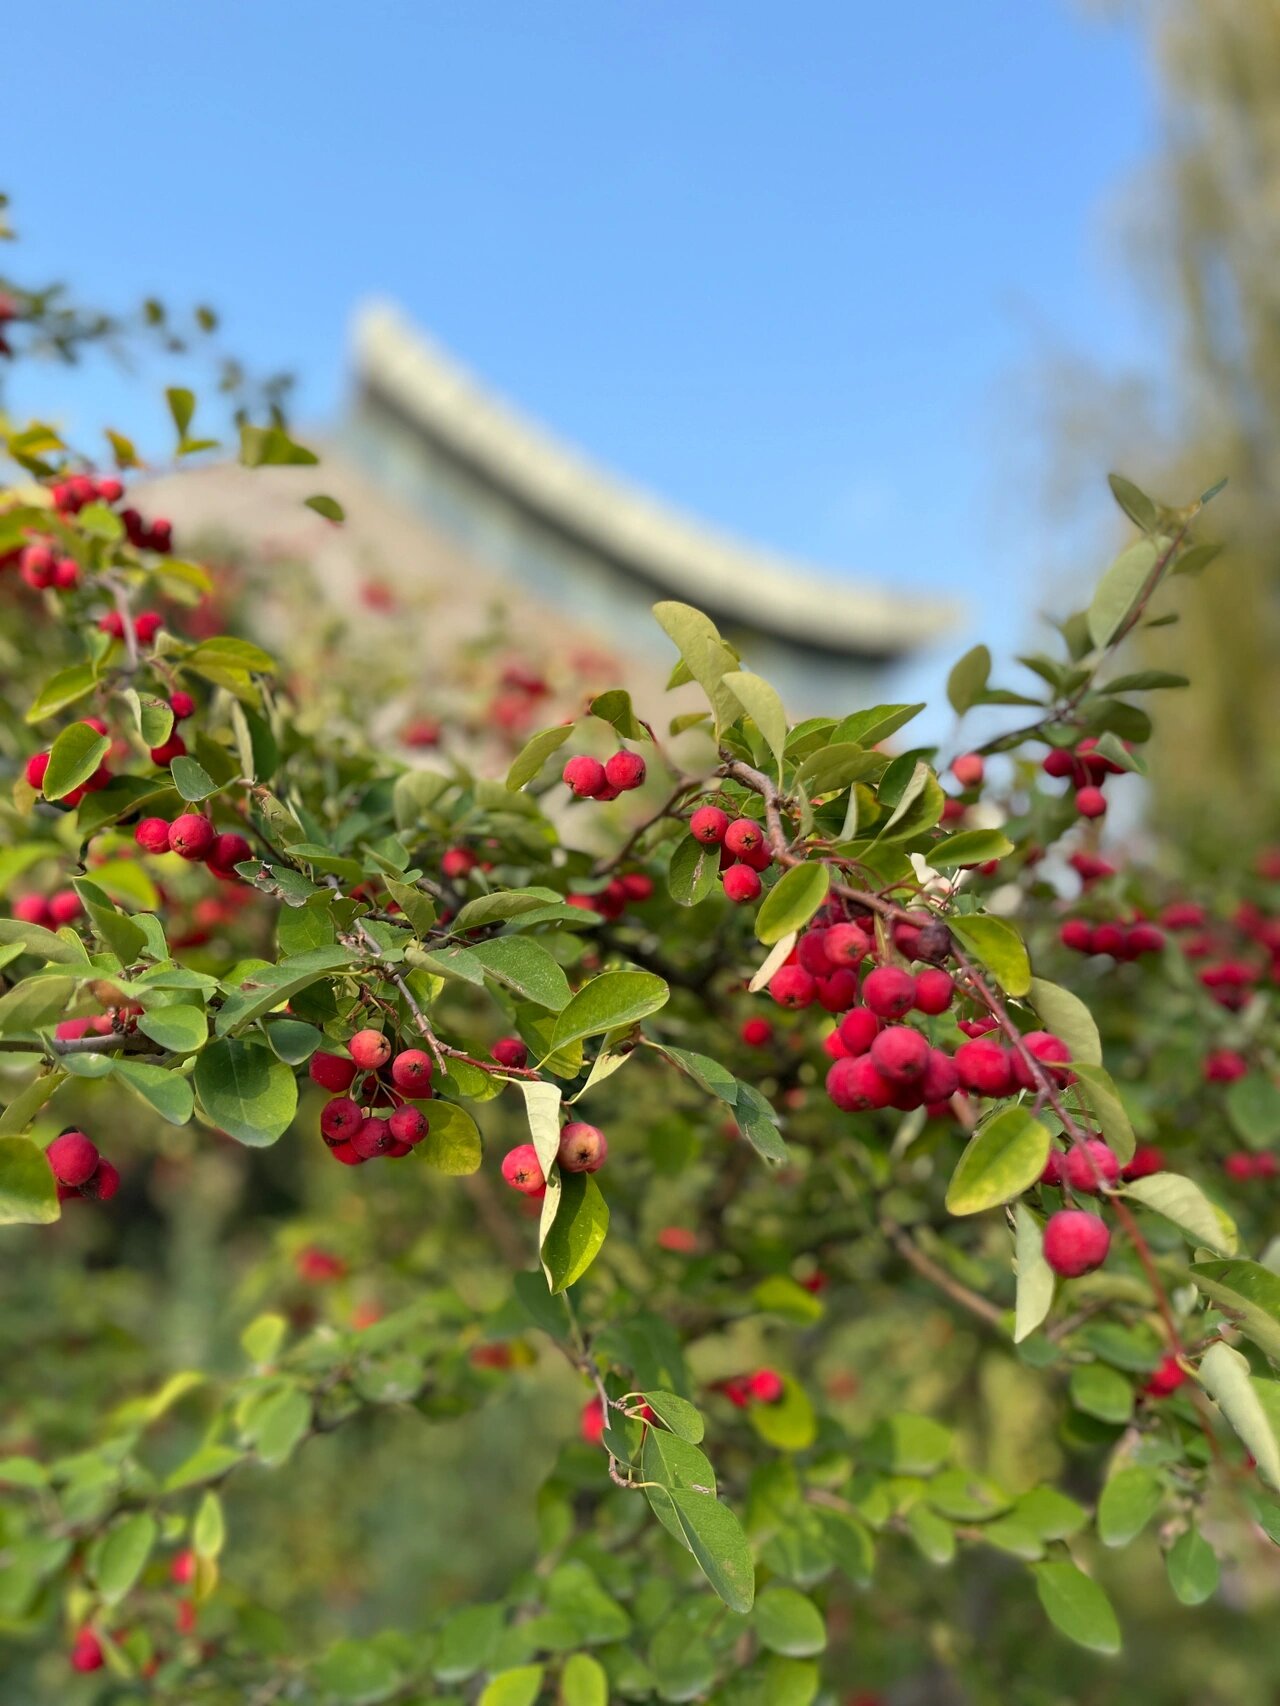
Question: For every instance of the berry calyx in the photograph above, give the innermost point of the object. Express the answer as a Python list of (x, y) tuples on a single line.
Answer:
[(340, 1119), (744, 835), (411, 1072), (583, 1148)]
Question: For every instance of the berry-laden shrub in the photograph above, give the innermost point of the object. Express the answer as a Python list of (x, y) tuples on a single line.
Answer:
[(742, 1074)]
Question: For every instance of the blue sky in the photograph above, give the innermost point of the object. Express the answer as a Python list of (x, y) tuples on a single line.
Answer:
[(774, 262)]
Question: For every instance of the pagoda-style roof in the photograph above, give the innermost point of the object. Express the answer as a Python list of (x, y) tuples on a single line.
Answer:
[(404, 380)]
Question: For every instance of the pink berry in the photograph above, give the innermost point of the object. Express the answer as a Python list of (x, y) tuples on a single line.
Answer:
[(340, 1119), (941, 1078), (838, 992), (583, 1148), (1090, 802), (934, 991), (408, 1125), (73, 1158), (900, 1054), (1090, 1167), (889, 991), (624, 771), (1075, 1242), (521, 1170), (756, 1033), (332, 1071), (765, 1386), (708, 825), (855, 1086), (741, 884), (181, 704), (510, 1051), (984, 1068), (103, 1183), (191, 836), (858, 1030), (369, 1049), (969, 769), (846, 945), (411, 1072), (792, 986), (584, 776), (744, 835), (152, 835), (228, 851)]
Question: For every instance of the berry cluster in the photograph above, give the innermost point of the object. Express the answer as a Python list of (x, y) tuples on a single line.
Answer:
[(583, 1149), (1121, 941), (630, 888), (193, 837), (1086, 769), (744, 853), (353, 1126), (79, 1169), (587, 779), (765, 1386)]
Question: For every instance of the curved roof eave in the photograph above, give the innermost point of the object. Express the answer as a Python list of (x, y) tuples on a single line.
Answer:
[(763, 590)]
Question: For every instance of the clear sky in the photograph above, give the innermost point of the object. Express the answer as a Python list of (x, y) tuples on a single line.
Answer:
[(775, 262)]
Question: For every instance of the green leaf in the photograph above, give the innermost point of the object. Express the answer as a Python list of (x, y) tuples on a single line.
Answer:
[(780, 1295), (28, 1194), (191, 779), (263, 1337), (762, 704), (326, 506), (1067, 1017), (705, 655), (534, 754), (1249, 1293), (35, 1002), (246, 1091), (1192, 1565), (356, 1673), (1035, 1277), (525, 967), (907, 1444), (1050, 1513), (63, 689), (272, 446), (498, 908), (271, 986), (1121, 588), (47, 944), (1096, 1091), (277, 1423), (934, 1537), (788, 1423), (968, 679), (1101, 1392), (182, 1029), (1077, 1606), (583, 1682), (614, 998), (792, 901), (614, 708), (182, 406), (714, 1536), (692, 872), (123, 936), (73, 758), (1253, 1104), (1140, 509), (1128, 1502), (1183, 1202), (452, 1145), (869, 728), (576, 1234), (1000, 949), (518, 1687), (1003, 1158), (677, 1414), (970, 847), (123, 1555), (788, 1623), (169, 1093), (1225, 1375)]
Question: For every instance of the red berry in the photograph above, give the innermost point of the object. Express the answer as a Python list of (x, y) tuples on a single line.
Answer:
[(152, 835), (32, 909), (624, 771), (1091, 1166), (35, 565), (66, 574), (372, 1137), (858, 1030), (510, 1051), (332, 1071), (1057, 762), (1143, 938), (147, 624), (855, 1086), (408, 1125), (181, 704), (969, 769), (1077, 934), (73, 1158), (845, 945), (637, 885), (765, 1386), (758, 858), (900, 1054), (1049, 1050), (103, 1183), (708, 825), (889, 991), (591, 1423), (1145, 1160), (741, 884), (934, 991), (1223, 1066), (174, 747), (583, 1148), (520, 1170), (1182, 915), (183, 1568), (341, 1118), (1168, 1377), (1090, 802), (411, 1072), (744, 835), (1107, 939), (64, 906), (792, 986), (984, 1068), (756, 1033), (227, 851), (584, 776), (370, 1050), (191, 836), (941, 1078), (838, 992), (1075, 1242), (86, 1651), (37, 764), (812, 953)]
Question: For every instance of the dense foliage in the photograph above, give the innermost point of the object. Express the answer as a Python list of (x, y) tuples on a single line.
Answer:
[(882, 1172)]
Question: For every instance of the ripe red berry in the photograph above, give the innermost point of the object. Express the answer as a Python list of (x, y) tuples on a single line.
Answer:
[(340, 1119), (408, 1125), (969, 769), (35, 565), (1090, 802), (1107, 939), (147, 624), (181, 704), (510, 1051), (855, 1086), (1182, 915), (591, 1423), (984, 1068), (152, 835), (756, 1033), (174, 747), (86, 1651), (765, 1386), (191, 836), (858, 1030), (889, 991), (1050, 1051), (372, 1137), (1224, 1066), (520, 1170), (1077, 934), (66, 574), (941, 1077), (744, 835), (370, 1049), (758, 858), (934, 991), (1075, 1242), (583, 1148), (73, 1158), (1168, 1377), (64, 906), (625, 770), (332, 1071), (37, 764), (103, 1182), (792, 986), (411, 1072), (636, 885), (456, 862), (584, 776), (900, 1054), (1057, 762), (838, 992), (183, 1568), (226, 852), (32, 909), (811, 952), (1090, 1167), (741, 884), (708, 825), (845, 945), (1145, 1160), (1143, 938)]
